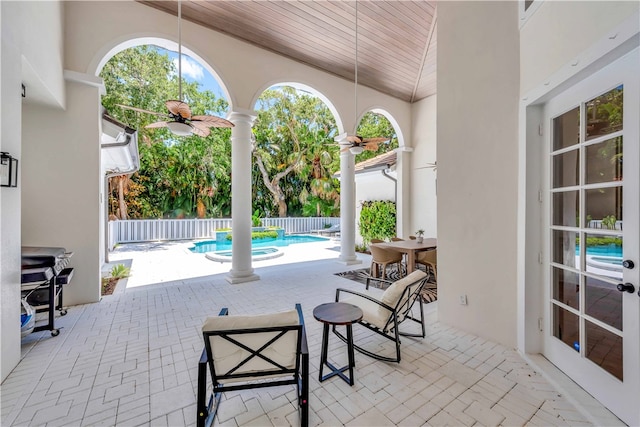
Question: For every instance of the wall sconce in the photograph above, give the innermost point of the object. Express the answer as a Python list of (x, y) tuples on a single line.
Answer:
[(8, 170)]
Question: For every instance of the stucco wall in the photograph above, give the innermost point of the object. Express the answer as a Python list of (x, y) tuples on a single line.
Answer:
[(477, 134), (61, 204), (10, 210), (423, 177), (36, 27), (31, 52), (559, 31)]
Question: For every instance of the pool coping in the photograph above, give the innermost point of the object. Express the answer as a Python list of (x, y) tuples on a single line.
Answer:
[(218, 257)]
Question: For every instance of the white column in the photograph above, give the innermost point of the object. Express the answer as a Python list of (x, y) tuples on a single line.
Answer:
[(347, 208), (241, 270)]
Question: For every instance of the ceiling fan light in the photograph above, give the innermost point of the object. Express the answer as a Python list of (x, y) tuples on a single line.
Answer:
[(179, 128), (356, 149)]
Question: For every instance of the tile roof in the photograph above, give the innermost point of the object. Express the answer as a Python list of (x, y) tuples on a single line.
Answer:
[(386, 159)]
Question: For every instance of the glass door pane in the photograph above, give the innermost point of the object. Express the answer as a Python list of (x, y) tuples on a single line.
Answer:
[(586, 229)]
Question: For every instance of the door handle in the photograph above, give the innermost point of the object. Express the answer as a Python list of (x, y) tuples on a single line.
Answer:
[(627, 263), (626, 287)]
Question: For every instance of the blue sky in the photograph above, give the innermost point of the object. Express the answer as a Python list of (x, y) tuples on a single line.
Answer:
[(192, 71)]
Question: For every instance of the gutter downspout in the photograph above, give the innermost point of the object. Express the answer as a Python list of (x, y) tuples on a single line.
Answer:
[(131, 137), (395, 189), (395, 183)]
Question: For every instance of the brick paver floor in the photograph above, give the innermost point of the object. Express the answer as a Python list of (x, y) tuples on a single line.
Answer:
[(131, 360)]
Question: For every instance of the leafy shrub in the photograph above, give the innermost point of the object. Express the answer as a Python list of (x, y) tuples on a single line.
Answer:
[(377, 220), (609, 222), (120, 271), (602, 241), (256, 219), (256, 235), (361, 248)]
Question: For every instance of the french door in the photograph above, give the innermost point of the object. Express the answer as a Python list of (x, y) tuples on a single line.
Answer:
[(592, 307)]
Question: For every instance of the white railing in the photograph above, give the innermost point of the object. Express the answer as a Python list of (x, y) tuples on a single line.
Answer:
[(145, 230), (597, 223)]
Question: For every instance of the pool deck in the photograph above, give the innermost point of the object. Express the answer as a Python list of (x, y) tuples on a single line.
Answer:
[(161, 262)]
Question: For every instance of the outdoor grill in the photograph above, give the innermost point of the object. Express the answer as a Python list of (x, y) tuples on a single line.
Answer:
[(44, 273)]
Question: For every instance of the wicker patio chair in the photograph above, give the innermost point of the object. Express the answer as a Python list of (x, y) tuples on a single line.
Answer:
[(430, 260), (383, 258)]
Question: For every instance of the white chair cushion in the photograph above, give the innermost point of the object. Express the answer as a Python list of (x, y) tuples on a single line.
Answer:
[(227, 355), (376, 314), (371, 312), (223, 323), (392, 295)]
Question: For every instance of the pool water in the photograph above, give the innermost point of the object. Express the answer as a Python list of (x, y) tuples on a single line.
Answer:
[(212, 245), (604, 257), (605, 250)]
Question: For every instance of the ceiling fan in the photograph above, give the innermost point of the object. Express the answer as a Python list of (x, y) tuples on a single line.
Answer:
[(356, 143), (179, 119)]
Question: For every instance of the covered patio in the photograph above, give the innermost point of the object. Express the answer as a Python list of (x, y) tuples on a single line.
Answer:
[(131, 359)]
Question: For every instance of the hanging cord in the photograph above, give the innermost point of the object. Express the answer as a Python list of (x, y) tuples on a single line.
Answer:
[(355, 96), (179, 50)]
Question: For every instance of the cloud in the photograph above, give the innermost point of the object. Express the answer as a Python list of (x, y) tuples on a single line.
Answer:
[(190, 68)]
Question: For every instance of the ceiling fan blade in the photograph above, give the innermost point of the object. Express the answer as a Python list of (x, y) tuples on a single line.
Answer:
[(179, 108), (140, 110), (213, 121), (375, 140), (353, 139), (156, 125), (200, 128), (372, 146)]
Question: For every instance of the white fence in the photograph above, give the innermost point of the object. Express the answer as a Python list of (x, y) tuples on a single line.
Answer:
[(145, 230)]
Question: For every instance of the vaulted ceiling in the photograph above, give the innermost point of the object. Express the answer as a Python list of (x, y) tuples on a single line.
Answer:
[(396, 39)]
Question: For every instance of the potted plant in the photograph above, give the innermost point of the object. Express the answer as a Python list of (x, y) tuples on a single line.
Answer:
[(419, 235)]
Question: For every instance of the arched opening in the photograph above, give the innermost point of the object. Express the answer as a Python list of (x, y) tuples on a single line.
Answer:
[(376, 179), (179, 176), (294, 155)]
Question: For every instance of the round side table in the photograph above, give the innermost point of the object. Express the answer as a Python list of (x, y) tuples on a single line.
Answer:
[(337, 313)]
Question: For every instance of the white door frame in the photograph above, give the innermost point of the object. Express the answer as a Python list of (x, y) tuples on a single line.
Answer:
[(530, 271), (619, 396)]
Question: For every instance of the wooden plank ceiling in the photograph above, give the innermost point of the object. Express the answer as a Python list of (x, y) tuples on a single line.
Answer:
[(396, 39)]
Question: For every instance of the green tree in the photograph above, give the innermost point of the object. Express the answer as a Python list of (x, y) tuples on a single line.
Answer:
[(376, 125), (294, 135), (322, 197)]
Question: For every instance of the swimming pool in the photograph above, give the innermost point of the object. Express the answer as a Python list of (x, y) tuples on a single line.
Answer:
[(212, 246)]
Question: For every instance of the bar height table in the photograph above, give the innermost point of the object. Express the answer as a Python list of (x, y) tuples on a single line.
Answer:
[(337, 313)]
